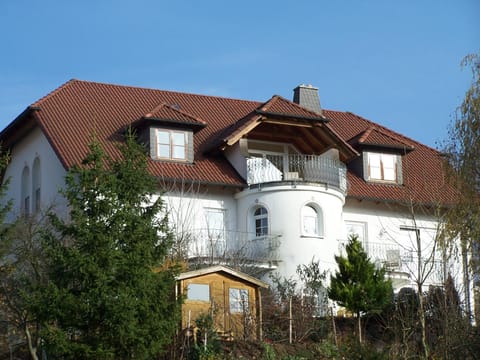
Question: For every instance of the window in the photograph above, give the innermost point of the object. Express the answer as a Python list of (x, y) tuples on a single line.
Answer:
[(413, 233), (172, 144), (198, 292), (215, 219), (382, 167), (357, 228), (261, 221), (36, 193), (238, 300), (25, 191), (26, 205), (310, 220)]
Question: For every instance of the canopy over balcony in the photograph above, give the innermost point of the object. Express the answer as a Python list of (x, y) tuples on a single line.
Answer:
[(297, 167)]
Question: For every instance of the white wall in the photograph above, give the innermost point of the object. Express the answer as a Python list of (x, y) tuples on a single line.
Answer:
[(387, 225), (284, 204), (236, 159), (52, 173), (186, 209)]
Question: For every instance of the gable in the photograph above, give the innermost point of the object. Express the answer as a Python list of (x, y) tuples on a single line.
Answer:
[(279, 120), (34, 148)]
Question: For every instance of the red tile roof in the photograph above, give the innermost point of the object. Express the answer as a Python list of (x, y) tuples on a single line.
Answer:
[(174, 114), (374, 136), (278, 105), (424, 178), (72, 113)]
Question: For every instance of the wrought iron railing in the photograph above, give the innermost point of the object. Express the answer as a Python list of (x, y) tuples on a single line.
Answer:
[(310, 168), (221, 244)]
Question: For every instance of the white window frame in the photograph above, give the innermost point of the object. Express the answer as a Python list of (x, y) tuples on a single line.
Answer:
[(215, 220), (360, 228), (378, 167), (260, 221), (171, 145), (311, 214)]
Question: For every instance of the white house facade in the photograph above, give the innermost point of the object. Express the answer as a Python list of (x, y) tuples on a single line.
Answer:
[(262, 186)]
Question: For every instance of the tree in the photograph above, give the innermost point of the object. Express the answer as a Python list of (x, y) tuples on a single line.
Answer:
[(462, 150), (294, 305), (110, 290), (358, 285), (22, 270), (449, 331)]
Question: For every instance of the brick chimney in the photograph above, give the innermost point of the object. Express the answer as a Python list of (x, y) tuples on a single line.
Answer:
[(307, 96)]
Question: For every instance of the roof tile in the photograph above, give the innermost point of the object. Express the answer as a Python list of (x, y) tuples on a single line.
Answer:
[(70, 115)]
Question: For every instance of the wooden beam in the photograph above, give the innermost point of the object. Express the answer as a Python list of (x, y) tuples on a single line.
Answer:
[(250, 126), (287, 122)]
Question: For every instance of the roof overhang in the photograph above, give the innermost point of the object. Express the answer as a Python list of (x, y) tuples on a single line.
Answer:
[(220, 269), (314, 131), (19, 127), (280, 116)]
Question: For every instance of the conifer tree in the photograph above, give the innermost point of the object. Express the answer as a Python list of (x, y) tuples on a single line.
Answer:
[(358, 285), (110, 293)]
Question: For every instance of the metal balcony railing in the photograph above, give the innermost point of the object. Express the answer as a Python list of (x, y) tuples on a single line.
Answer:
[(395, 258), (222, 244), (309, 168)]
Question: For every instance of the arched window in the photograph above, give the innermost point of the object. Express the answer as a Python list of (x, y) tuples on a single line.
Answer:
[(312, 222), (25, 191), (36, 192), (260, 217)]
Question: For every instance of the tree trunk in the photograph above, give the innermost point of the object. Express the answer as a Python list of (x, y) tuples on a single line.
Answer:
[(32, 349), (290, 322), (421, 310), (359, 320), (420, 280)]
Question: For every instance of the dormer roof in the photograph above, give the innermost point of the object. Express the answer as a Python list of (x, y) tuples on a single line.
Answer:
[(376, 137), (173, 115)]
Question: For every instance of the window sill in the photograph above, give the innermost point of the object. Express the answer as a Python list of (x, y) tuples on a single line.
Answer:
[(312, 236), (177, 161), (383, 182)]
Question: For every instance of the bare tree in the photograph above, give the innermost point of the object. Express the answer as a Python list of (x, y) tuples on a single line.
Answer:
[(23, 267)]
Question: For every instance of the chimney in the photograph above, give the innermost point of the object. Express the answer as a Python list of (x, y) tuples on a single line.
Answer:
[(307, 96)]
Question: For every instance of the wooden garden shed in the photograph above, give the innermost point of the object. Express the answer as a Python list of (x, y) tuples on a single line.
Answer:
[(231, 298)]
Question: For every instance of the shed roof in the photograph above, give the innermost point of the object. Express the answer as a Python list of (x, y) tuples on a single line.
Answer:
[(222, 269)]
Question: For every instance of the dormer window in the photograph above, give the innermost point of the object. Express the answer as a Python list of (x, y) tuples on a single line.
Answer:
[(382, 167), (168, 131), (173, 144)]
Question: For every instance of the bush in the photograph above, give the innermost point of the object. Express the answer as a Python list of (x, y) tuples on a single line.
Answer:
[(353, 350)]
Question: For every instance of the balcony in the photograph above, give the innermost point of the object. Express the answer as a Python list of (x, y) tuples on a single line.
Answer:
[(308, 168), (401, 263), (220, 246)]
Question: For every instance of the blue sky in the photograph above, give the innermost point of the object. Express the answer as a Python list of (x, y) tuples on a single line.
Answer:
[(394, 62)]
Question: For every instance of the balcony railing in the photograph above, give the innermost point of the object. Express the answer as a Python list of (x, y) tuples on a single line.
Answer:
[(241, 246), (395, 258), (309, 168)]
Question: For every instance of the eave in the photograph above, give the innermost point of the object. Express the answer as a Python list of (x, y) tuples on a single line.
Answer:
[(19, 127)]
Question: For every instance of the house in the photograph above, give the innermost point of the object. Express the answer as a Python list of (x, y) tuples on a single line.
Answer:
[(261, 186), (231, 298)]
